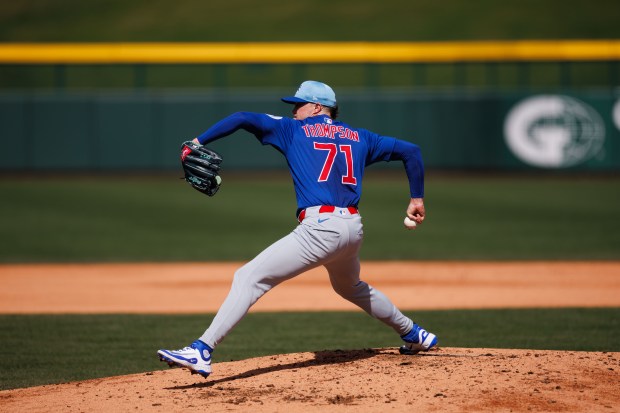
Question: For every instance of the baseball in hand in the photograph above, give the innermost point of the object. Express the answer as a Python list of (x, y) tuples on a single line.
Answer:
[(409, 223)]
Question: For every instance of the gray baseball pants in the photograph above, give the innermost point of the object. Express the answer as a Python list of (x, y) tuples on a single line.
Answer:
[(329, 239)]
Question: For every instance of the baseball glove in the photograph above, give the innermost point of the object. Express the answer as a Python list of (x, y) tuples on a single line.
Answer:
[(201, 166)]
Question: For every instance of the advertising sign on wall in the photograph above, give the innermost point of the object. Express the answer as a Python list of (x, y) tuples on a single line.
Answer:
[(554, 131)]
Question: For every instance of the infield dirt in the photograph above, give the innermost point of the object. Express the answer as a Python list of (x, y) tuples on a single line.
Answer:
[(365, 380)]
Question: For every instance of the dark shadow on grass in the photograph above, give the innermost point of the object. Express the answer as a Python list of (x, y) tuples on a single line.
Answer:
[(321, 358)]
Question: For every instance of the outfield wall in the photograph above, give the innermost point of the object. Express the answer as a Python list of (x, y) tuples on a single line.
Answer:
[(456, 130)]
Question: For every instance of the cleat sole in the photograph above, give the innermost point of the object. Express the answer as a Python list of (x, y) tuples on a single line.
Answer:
[(406, 351), (169, 362)]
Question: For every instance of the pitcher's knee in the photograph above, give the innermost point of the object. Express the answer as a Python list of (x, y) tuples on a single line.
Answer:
[(244, 278), (241, 275), (253, 280), (349, 291)]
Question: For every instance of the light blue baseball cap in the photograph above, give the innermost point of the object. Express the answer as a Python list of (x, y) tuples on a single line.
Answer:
[(313, 92)]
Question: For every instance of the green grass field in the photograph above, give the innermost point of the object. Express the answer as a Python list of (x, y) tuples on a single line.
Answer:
[(58, 348), (163, 219)]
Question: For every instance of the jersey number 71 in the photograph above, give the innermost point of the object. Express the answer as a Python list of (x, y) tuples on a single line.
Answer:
[(332, 150)]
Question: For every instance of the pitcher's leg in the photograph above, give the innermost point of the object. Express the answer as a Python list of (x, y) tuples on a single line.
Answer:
[(286, 258), (344, 277)]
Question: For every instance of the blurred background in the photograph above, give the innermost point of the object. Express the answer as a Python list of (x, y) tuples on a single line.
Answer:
[(515, 105)]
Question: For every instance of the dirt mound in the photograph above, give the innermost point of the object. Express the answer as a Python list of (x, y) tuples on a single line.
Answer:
[(373, 380)]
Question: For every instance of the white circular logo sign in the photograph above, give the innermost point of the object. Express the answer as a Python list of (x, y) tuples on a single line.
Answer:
[(616, 114), (554, 131)]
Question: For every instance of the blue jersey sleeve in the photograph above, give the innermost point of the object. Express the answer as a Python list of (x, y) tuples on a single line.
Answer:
[(385, 148), (411, 156), (270, 130), (380, 148)]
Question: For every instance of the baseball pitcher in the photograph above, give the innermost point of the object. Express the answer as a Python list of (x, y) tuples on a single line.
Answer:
[(326, 159)]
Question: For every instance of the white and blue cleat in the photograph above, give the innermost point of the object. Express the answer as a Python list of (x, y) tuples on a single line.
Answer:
[(418, 339), (196, 357)]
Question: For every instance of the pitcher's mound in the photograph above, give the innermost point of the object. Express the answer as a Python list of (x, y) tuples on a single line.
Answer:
[(373, 380)]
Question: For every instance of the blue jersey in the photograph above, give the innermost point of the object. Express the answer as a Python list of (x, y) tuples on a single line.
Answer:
[(326, 158)]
